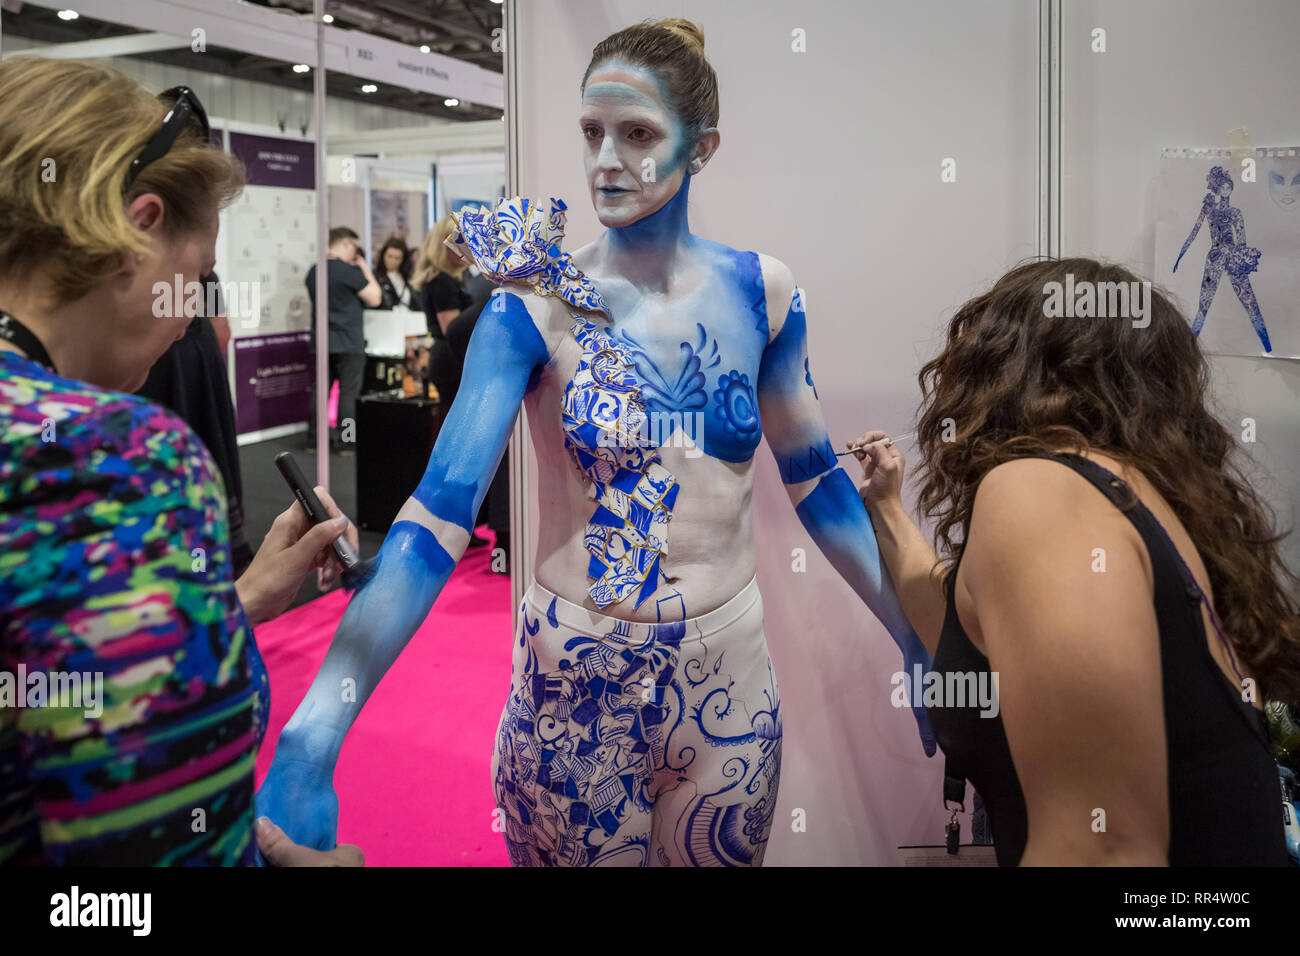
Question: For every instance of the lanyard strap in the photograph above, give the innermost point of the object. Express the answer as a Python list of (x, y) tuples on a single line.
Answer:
[(20, 335)]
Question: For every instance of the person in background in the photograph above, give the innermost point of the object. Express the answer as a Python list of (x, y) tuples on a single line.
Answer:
[(115, 560), (393, 270), (191, 380), (438, 281), (352, 286), (477, 284)]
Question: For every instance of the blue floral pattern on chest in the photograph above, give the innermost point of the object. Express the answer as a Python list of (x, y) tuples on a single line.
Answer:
[(607, 435)]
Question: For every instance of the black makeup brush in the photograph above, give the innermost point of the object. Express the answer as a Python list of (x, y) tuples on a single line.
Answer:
[(354, 571)]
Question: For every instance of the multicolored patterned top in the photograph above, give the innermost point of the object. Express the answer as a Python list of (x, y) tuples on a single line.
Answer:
[(132, 695)]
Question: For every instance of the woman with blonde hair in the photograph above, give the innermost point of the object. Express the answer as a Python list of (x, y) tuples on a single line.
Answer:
[(115, 568), (438, 281)]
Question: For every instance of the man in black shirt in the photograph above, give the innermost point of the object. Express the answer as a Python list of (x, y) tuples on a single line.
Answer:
[(351, 286)]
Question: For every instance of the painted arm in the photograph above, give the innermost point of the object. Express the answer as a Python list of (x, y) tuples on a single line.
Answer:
[(825, 498), (1192, 235), (418, 554)]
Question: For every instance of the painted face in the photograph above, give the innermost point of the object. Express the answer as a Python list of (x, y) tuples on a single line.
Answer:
[(635, 149), (1225, 188), (392, 259), (1284, 183)]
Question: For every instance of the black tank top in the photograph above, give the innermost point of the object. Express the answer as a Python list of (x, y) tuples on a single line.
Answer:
[(1224, 794)]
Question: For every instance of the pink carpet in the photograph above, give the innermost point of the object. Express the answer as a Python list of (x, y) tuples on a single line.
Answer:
[(413, 778)]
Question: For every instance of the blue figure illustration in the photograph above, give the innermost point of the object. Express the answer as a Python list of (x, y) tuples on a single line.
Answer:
[(643, 723), (1228, 252)]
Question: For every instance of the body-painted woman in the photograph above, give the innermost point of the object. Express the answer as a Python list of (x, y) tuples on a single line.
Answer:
[(643, 725)]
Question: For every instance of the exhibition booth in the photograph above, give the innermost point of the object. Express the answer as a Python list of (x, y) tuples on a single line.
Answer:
[(897, 158)]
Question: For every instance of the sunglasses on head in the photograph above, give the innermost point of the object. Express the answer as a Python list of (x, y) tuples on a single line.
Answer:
[(185, 109)]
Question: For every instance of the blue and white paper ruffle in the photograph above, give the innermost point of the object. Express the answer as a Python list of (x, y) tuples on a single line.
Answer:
[(604, 420), (519, 243)]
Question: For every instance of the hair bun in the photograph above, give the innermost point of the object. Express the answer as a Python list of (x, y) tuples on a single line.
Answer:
[(684, 28)]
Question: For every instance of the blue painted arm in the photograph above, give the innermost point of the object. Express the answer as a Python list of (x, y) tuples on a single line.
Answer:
[(1205, 208), (826, 500), (505, 354)]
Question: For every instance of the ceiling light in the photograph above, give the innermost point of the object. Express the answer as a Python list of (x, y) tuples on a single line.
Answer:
[(424, 48), (451, 101), (328, 18), (68, 14), (301, 68), (369, 88)]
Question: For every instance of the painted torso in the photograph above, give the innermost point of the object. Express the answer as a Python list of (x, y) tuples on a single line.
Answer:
[(692, 357), (1223, 220)]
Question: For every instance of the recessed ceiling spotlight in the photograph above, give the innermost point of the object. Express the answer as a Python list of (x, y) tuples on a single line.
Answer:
[(451, 101), (68, 14), (301, 68), (328, 18), (369, 88), (424, 48)]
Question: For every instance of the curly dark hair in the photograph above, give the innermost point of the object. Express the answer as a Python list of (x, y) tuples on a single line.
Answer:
[(1012, 381)]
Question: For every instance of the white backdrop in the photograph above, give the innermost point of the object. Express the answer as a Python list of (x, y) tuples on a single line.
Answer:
[(1184, 73), (830, 161)]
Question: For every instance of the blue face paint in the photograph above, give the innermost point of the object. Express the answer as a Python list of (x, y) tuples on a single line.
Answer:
[(634, 175), (680, 136), (658, 230), (619, 91)]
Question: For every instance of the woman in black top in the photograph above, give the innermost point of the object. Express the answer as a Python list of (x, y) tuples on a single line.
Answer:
[(438, 281), (1112, 569), (393, 273)]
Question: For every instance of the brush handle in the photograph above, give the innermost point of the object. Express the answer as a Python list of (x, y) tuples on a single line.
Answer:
[(311, 504), (893, 440)]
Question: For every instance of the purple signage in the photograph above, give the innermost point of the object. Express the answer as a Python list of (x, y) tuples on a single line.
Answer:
[(273, 376), (276, 162)]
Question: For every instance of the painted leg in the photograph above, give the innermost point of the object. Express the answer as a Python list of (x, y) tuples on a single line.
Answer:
[(1209, 286), (574, 755), (716, 794), (1246, 294)]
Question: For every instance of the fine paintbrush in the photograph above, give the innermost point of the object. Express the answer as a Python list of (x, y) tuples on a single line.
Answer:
[(354, 571), (892, 440)]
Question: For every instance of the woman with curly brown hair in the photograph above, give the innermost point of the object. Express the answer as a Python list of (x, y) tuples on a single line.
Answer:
[(1123, 734)]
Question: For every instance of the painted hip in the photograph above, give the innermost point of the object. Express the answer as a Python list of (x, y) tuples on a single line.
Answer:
[(638, 744)]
